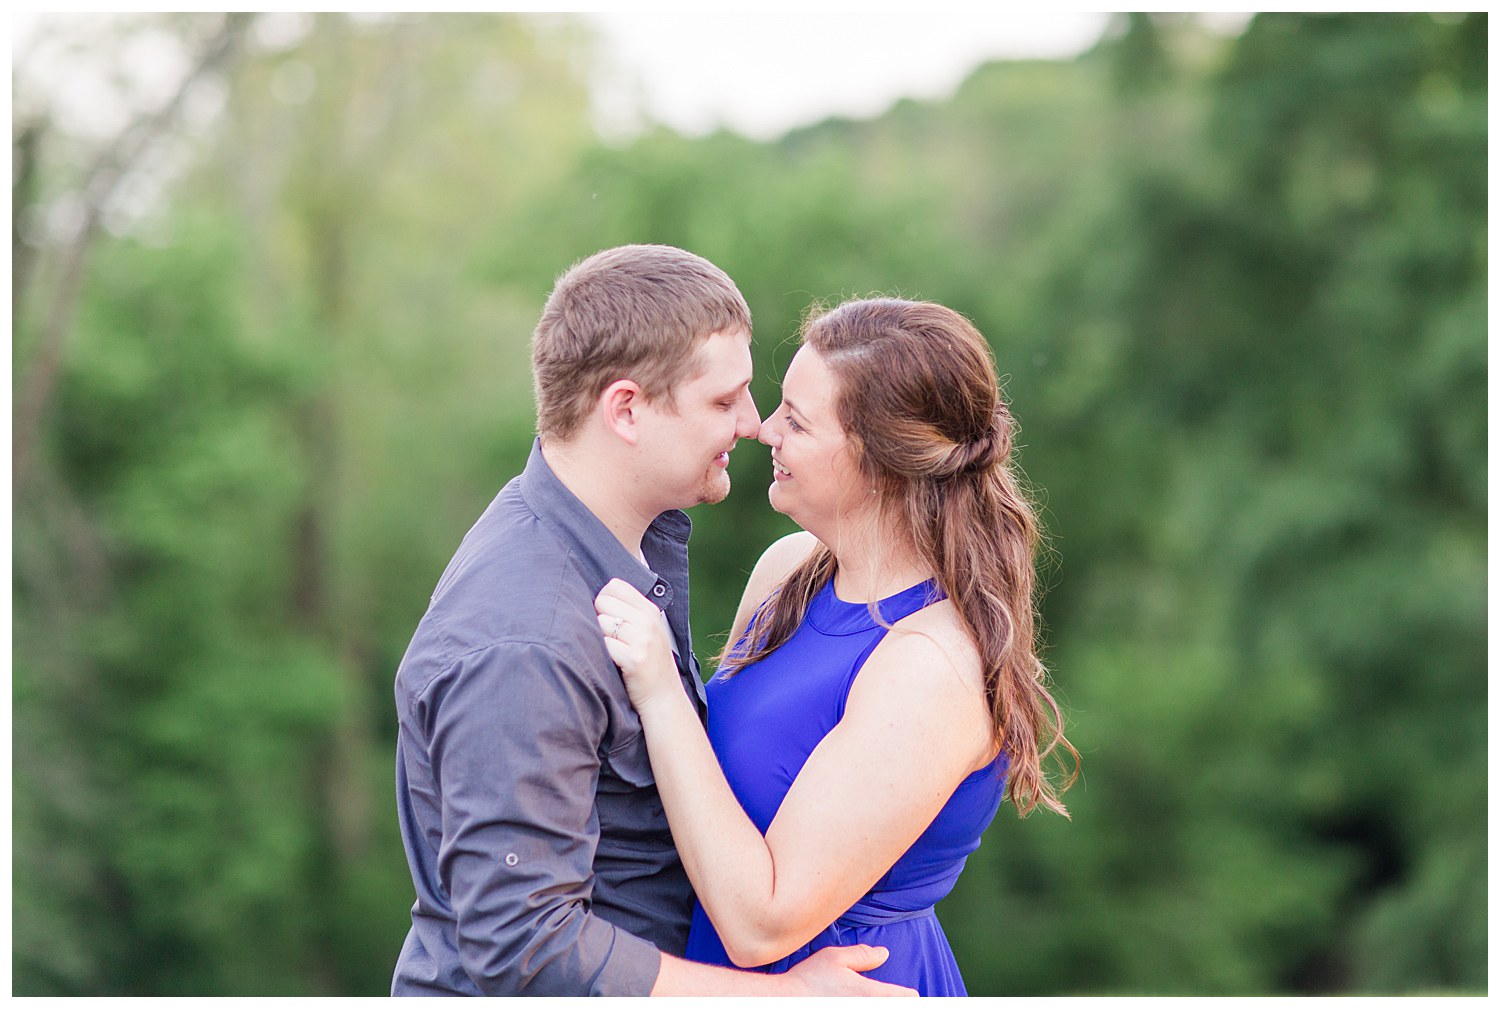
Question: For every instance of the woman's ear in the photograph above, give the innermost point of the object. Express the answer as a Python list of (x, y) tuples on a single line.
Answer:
[(618, 406)]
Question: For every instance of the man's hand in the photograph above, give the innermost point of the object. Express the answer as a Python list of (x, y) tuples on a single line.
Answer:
[(835, 971), (828, 972)]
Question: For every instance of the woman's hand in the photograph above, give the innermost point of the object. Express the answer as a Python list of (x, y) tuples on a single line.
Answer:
[(636, 636)]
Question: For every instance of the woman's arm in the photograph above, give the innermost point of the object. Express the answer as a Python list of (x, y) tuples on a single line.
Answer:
[(915, 724), (831, 972)]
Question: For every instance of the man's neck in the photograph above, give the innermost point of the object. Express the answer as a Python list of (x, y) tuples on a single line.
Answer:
[(600, 483)]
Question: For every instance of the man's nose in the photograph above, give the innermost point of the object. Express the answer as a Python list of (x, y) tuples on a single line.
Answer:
[(749, 426)]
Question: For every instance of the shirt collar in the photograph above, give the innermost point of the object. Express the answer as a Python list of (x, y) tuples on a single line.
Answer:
[(602, 555)]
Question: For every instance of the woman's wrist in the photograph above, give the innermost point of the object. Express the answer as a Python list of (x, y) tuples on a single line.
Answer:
[(665, 706)]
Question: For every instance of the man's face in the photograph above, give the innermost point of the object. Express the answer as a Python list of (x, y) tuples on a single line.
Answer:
[(687, 449)]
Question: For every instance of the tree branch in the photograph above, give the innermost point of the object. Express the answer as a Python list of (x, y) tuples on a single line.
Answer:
[(99, 186)]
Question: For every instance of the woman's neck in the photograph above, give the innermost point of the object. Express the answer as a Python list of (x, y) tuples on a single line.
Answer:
[(873, 562)]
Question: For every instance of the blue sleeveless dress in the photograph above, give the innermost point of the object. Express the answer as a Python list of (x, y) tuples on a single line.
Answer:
[(764, 722)]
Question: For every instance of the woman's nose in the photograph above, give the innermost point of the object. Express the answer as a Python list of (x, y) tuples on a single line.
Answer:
[(767, 433)]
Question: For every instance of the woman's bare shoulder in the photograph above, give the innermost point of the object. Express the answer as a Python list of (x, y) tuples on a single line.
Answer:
[(779, 560), (941, 622), (937, 633), (783, 556), (929, 666)]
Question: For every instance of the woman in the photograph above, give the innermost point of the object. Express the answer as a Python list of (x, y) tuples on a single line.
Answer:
[(883, 681)]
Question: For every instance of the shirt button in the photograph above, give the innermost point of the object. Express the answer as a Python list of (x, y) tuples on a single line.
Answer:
[(659, 591), (511, 859)]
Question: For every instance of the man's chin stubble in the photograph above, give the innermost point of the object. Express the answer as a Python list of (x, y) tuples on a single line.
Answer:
[(714, 491)]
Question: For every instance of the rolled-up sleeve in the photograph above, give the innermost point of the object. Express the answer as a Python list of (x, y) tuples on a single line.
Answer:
[(514, 742)]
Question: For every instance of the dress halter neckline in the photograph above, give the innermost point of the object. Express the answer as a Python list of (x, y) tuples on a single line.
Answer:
[(831, 615)]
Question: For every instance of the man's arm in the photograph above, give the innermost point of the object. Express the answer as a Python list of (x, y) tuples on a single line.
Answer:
[(514, 738), (515, 755)]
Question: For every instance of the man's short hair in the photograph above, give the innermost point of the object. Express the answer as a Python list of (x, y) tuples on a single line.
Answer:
[(637, 312)]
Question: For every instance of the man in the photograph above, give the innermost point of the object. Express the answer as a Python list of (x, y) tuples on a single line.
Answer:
[(537, 842)]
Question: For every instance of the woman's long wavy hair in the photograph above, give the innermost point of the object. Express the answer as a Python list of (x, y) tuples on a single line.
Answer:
[(919, 402)]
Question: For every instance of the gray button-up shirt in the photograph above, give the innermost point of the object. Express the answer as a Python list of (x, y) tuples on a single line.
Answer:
[(537, 842)]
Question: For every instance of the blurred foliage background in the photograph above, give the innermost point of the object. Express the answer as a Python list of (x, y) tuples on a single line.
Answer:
[(270, 362)]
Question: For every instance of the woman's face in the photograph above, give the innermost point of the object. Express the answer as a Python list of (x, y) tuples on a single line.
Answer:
[(816, 481)]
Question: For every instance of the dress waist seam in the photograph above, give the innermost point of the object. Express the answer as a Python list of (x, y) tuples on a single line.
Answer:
[(865, 916)]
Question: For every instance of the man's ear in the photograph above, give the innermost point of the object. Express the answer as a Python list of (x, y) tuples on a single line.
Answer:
[(619, 406)]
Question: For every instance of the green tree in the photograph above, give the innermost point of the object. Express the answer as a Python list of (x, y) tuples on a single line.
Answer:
[(1235, 287), (239, 510)]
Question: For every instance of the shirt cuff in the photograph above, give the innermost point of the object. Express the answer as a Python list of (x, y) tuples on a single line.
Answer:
[(630, 969)]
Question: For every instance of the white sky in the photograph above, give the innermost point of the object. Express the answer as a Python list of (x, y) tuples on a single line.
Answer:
[(756, 73), (761, 74)]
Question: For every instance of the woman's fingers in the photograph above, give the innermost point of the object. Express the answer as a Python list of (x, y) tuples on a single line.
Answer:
[(623, 593), (622, 628), (619, 601), (636, 638), (619, 652), (630, 638), (614, 608)]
